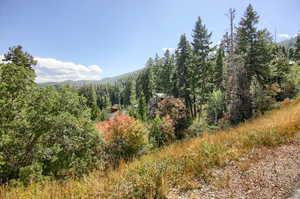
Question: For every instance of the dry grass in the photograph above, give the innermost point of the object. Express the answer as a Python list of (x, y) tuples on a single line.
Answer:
[(152, 175)]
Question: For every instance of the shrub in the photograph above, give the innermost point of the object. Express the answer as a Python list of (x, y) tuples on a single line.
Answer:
[(216, 106), (264, 97), (175, 108), (199, 125), (162, 131), (103, 115), (51, 136), (124, 137), (294, 78)]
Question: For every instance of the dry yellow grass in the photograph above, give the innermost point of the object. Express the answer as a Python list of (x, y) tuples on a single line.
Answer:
[(176, 165)]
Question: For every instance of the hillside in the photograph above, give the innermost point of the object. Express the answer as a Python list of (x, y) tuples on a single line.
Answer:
[(288, 43), (81, 83), (188, 165), (198, 121)]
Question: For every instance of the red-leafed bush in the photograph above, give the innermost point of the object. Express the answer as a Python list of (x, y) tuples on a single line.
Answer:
[(124, 136), (175, 109)]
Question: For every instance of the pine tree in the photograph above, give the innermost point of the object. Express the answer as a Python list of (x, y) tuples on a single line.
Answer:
[(127, 92), (184, 64), (142, 108), (145, 82), (201, 68), (166, 73), (279, 65), (252, 47), (219, 69), (133, 98), (17, 56), (156, 72), (89, 93), (291, 53), (297, 49)]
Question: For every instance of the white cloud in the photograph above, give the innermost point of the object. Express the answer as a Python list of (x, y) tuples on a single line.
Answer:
[(1, 57), (214, 44), (53, 70), (286, 36), (170, 49)]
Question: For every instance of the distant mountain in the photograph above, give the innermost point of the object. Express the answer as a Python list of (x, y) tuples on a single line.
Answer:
[(80, 83), (288, 43), (120, 77)]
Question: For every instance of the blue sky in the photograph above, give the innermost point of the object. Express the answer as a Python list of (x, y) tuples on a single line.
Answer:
[(92, 39)]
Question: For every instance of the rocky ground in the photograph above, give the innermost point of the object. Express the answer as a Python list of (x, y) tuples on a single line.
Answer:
[(264, 174)]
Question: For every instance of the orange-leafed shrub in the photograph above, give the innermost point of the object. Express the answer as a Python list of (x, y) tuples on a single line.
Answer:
[(124, 136)]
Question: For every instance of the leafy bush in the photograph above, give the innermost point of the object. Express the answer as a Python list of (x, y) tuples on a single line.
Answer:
[(175, 108), (153, 175), (124, 136), (103, 115), (162, 131), (294, 77), (43, 132), (264, 97), (199, 125), (52, 132), (216, 106)]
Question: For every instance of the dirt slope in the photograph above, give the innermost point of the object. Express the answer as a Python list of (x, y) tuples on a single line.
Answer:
[(263, 174)]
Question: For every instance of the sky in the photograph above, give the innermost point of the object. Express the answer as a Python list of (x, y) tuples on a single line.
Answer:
[(93, 39)]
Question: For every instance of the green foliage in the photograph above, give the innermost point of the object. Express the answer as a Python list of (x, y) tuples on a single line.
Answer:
[(89, 93), (216, 106), (219, 69), (162, 131), (142, 109), (201, 79), (249, 61), (145, 84), (297, 49), (264, 97), (17, 56), (48, 132), (279, 68), (294, 76), (166, 73), (199, 125), (43, 132), (184, 63)]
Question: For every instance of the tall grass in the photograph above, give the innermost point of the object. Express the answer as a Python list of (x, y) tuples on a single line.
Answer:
[(179, 164)]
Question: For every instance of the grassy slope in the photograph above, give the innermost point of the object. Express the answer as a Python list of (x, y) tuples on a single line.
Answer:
[(176, 165)]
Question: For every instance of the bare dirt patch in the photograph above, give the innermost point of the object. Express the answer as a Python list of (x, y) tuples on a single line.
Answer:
[(265, 173)]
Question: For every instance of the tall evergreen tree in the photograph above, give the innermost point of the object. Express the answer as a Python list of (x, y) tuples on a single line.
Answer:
[(166, 73), (127, 92), (145, 82), (297, 48), (89, 93), (251, 46), (133, 98), (201, 68), (219, 69), (17, 56), (184, 64), (142, 108)]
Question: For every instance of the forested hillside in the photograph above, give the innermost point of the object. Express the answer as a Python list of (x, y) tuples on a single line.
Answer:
[(55, 133)]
